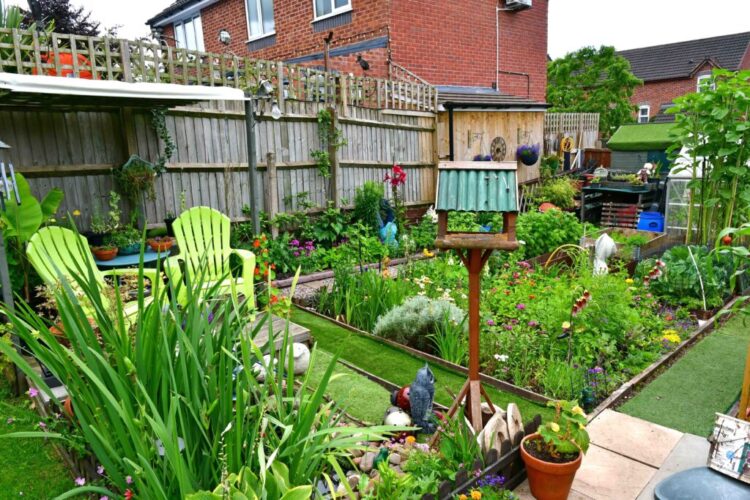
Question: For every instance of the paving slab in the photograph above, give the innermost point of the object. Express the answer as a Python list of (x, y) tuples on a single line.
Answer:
[(632, 437), (690, 451), (524, 493), (608, 475)]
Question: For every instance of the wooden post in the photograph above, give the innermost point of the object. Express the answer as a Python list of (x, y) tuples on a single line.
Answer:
[(334, 158), (344, 91), (272, 192), (252, 161), (745, 394), (280, 87), (127, 74)]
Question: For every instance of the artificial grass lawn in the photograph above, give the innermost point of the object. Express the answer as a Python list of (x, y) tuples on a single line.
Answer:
[(704, 381), (358, 396), (29, 467), (397, 366)]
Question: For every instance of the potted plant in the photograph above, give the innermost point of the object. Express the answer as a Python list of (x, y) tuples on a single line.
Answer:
[(102, 226), (160, 243), (136, 177), (127, 240), (106, 251), (170, 218), (528, 154), (554, 453)]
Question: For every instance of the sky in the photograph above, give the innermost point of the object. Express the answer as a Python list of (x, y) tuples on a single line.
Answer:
[(573, 24)]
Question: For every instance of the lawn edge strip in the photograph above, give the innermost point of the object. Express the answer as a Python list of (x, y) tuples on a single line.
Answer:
[(652, 371), (496, 383)]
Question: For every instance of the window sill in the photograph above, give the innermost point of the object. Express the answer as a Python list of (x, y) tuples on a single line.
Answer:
[(260, 37), (332, 21), (332, 14)]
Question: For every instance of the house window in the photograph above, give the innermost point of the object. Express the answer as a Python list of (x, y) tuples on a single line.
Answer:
[(643, 113), (260, 21), (327, 8), (705, 82), (188, 33)]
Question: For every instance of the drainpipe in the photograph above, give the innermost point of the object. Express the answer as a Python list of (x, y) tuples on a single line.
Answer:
[(497, 47)]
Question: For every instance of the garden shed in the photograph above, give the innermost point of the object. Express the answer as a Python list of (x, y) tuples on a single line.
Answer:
[(634, 145), (479, 123)]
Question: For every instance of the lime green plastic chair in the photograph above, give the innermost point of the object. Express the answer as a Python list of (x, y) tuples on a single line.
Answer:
[(202, 234), (55, 250)]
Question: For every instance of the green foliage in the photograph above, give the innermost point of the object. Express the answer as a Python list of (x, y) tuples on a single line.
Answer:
[(124, 237), (593, 81), (549, 166), (450, 339), (273, 484), (13, 17), (329, 137), (422, 322), (367, 204), (559, 191), (159, 123), (713, 126), (566, 434), (542, 232), (424, 233), (134, 178), (458, 443)]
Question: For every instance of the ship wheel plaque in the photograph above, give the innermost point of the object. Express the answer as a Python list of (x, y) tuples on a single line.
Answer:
[(498, 149)]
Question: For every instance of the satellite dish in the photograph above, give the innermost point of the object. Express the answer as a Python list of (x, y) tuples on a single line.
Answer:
[(498, 149)]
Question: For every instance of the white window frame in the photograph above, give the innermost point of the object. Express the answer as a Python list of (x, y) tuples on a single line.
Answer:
[(250, 36), (335, 11), (647, 116), (699, 86), (177, 25)]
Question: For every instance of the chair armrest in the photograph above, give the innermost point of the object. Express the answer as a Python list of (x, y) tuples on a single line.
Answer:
[(151, 274), (248, 270)]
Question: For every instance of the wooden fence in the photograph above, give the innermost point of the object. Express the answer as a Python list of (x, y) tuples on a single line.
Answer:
[(582, 127), (77, 149), (102, 58)]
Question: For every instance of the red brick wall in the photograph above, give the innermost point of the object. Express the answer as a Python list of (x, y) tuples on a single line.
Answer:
[(454, 43), (656, 93)]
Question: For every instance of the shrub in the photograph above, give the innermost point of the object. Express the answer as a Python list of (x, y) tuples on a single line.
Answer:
[(544, 231), (413, 322), (560, 192), (367, 204)]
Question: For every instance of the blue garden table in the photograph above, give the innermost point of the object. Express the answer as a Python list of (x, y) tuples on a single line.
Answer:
[(122, 261)]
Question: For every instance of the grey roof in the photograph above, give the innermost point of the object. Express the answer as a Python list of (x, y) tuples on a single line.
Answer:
[(483, 97), (682, 59), (174, 7)]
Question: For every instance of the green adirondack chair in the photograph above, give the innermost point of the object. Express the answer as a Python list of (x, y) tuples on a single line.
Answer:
[(53, 250), (202, 234)]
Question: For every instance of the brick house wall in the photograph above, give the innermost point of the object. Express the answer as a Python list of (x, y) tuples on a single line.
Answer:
[(445, 42), (656, 93)]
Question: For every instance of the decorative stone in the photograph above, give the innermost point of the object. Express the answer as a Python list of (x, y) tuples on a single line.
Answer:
[(353, 480), (367, 461), (356, 452), (396, 416), (394, 459), (301, 358), (494, 433), (515, 424), (375, 475)]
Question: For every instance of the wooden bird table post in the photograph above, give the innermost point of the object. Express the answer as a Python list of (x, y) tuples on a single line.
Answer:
[(476, 187)]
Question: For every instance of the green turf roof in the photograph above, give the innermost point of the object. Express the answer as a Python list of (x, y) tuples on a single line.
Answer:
[(641, 137)]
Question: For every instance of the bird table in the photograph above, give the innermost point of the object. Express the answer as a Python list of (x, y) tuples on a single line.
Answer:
[(476, 187)]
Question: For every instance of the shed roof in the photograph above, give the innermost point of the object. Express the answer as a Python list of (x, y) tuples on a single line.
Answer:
[(175, 8), (452, 96), (490, 187), (642, 137), (683, 59)]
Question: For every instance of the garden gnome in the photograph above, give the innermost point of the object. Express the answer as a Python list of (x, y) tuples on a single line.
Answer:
[(421, 393), (604, 248)]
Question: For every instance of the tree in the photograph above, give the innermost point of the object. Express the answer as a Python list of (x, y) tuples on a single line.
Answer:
[(593, 81), (67, 18)]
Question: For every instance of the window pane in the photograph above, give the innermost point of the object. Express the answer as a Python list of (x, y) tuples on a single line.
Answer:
[(179, 35), (253, 17), (267, 10), (341, 3), (190, 41), (198, 24), (322, 7)]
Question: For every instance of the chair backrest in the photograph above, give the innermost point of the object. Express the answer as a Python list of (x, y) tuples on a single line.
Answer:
[(203, 237), (53, 250)]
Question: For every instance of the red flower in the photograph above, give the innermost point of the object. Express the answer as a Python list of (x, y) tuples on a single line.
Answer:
[(273, 266), (257, 271), (396, 177), (128, 494), (256, 243), (274, 299)]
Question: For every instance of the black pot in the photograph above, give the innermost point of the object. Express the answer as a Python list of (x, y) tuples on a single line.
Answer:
[(95, 239), (168, 222)]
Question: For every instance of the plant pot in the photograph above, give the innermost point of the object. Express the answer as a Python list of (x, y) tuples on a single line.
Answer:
[(168, 222), (103, 253), (131, 249), (95, 239), (68, 408), (160, 244), (547, 480)]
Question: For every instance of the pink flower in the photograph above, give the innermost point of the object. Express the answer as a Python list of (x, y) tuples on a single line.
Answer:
[(521, 307), (42, 425), (33, 392), (104, 498), (129, 479), (100, 470), (490, 322), (80, 481), (10, 420)]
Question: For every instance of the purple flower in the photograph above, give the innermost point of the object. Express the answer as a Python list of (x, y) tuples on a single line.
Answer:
[(521, 307), (533, 323), (42, 425), (508, 327), (129, 479), (296, 254), (294, 243), (33, 392), (490, 322), (80, 481), (100, 470)]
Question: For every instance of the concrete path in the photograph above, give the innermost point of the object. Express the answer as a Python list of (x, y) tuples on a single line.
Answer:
[(628, 457)]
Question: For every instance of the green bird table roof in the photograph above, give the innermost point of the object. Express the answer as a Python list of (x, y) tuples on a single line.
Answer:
[(472, 186)]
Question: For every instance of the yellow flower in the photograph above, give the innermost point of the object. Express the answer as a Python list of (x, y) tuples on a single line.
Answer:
[(463, 497), (580, 426), (577, 410), (554, 427), (672, 337), (427, 253), (76, 213), (566, 325), (476, 495), (410, 439), (629, 281)]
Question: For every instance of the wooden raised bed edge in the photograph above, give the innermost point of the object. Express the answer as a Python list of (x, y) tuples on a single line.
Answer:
[(496, 383), (650, 372)]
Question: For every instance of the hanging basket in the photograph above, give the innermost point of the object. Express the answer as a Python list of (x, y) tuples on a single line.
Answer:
[(528, 154), (135, 177)]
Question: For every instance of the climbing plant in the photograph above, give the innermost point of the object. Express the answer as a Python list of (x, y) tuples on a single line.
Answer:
[(159, 123), (330, 137)]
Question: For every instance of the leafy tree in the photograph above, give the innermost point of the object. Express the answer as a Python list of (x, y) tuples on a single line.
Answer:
[(593, 81), (67, 18)]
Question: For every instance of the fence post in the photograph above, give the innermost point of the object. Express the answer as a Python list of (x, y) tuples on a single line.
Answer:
[(333, 157), (272, 192), (344, 90), (127, 74)]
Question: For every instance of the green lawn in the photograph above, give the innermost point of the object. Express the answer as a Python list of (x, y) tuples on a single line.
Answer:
[(706, 380), (397, 366), (29, 468)]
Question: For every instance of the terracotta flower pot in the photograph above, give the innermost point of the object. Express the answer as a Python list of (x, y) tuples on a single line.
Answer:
[(547, 480), (68, 408), (161, 244), (104, 253)]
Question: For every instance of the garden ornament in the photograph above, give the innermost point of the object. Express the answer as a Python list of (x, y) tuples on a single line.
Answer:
[(400, 398), (646, 172), (388, 229), (382, 457), (604, 248), (397, 417), (421, 393), (301, 358)]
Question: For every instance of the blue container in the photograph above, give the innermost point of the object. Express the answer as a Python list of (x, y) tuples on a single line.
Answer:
[(651, 221)]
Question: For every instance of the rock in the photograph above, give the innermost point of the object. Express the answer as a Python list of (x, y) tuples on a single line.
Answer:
[(341, 490), (301, 358), (398, 471), (353, 481), (374, 475), (357, 460), (356, 452), (394, 459), (515, 424), (367, 461)]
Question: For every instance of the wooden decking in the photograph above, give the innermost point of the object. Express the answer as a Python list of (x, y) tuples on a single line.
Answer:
[(297, 333)]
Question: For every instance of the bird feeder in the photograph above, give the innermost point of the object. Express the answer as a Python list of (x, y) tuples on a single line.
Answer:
[(476, 187)]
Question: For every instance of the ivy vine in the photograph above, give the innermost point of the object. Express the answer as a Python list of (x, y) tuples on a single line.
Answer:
[(159, 123), (330, 137)]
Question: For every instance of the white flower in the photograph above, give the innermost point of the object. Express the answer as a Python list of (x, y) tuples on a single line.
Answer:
[(431, 214), (501, 357), (521, 242)]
